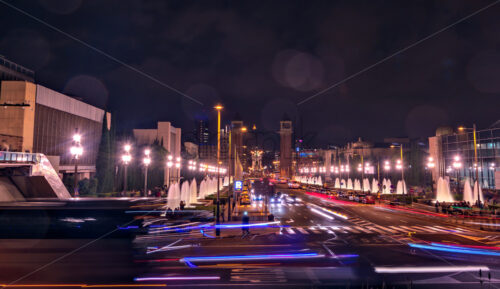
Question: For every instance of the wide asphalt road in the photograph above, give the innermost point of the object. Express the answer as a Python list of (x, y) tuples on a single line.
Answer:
[(317, 242)]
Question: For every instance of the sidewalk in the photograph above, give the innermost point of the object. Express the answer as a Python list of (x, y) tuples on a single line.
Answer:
[(484, 223)]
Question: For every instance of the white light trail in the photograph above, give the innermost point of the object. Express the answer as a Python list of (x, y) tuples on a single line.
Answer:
[(322, 214), (435, 269)]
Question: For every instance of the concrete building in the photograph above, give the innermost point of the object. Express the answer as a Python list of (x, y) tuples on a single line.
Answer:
[(452, 152), (285, 132), (13, 71), (36, 119), (167, 135)]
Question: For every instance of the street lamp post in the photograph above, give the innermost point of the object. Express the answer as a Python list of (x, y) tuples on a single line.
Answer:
[(126, 158), (457, 165), (402, 170), (76, 151), (430, 165), (169, 166), (178, 168), (146, 161), (402, 164), (217, 218), (475, 158)]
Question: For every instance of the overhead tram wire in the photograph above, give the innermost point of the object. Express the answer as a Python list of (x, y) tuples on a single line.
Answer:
[(148, 76), (395, 53)]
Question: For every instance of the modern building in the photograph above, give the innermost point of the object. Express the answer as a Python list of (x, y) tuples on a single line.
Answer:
[(36, 119), (208, 151), (202, 132), (167, 135), (453, 155), (286, 130), (13, 71)]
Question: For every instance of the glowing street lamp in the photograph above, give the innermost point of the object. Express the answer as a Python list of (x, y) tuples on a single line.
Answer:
[(400, 166), (126, 158), (430, 163), (76, 151), (456, 162), (218, 107), (146, 161), (461, 128)]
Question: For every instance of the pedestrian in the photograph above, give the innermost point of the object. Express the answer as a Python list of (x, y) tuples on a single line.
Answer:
[(182, 205), (245, 221), (437, 207)]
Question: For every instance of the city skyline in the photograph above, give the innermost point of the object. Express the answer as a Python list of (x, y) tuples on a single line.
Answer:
[(286, 68)]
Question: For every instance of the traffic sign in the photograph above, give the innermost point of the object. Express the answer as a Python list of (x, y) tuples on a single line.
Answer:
[(238, 185)]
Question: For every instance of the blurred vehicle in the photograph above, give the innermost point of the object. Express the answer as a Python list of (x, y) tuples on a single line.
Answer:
[(292, 198), (245, 199), (368, 199), (276, 198), (257, 197), (293, 185), (351, 198), (395, 203)]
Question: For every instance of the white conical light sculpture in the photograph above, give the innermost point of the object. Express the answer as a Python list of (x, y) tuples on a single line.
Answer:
[(374, 186), (366, 185), (357, 185), (477, 189), (337, 183), (468, 195), (349, 184), (401, 188), (185, 192), (173, 199), (193, 188), (443, 193), (201, 194)]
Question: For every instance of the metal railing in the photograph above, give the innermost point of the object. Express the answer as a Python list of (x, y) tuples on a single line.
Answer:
[(19, 157)]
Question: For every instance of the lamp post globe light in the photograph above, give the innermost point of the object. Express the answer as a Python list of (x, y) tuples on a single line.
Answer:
[(76, 151), (170, 164), (400, 166), (217, 217), (126, 159), (146, 161)]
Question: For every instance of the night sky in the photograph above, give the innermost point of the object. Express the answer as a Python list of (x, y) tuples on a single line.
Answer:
[(260, 58)]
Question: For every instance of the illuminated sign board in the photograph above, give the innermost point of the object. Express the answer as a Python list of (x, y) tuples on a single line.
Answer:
[(238, 185)]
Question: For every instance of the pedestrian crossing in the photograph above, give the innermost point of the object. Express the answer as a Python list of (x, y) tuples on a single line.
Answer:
[(372, 229)]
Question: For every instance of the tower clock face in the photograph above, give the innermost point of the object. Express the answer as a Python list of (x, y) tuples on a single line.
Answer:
[(286, 125)]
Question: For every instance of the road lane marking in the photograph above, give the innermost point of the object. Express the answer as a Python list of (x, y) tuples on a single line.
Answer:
[(314, 230), (290, 231), (339, 229), (302, 230), (363, 229), (391, 231), (327, 230), (398, 229), (377, 230), (350, 229), (424, 229)]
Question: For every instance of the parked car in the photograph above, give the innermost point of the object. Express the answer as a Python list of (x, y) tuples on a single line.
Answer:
[(369, 199)]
